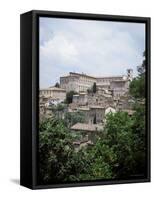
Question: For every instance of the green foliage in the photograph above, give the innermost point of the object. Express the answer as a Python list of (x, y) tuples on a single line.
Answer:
[(59, 162), (60, 107), (89, 91), (137, 87), (137, 90), (54, 150), (101, 158), (94, 88), (94, 121), (69, 96), (139, 139), (73, 118), (57, 85), (119, 138), (58, 110), (118, 153), (126, 136)]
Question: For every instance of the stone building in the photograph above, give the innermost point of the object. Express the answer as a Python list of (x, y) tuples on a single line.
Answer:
[(53, 92), (111, 95), (77, 82), (105, 82), (119, 87), (80, 99), (93, 114), (89, 132), (96, 114), (109, 109), (82, 82), (101, 98)]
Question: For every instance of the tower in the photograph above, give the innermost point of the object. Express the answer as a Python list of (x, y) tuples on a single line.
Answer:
[(130, 74)]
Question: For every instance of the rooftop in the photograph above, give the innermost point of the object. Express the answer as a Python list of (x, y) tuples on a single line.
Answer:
[(96, 107), (89, 142), (83, 108), (82, 93), (93, 77), (75, 95), (87, 127), (117, 81), (104, 77), (130, 112), (53, 89), (81, 74)]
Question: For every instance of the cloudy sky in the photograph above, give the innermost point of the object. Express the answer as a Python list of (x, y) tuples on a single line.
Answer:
[(96, 48)]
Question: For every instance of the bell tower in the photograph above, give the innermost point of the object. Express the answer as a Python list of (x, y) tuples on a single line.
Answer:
[(130, 74)]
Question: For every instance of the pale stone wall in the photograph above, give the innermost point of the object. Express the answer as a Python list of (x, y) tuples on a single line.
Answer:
[(93, 114), (82, 82), (119, 87), (109, 110), (55, 93), (97, 113), (69, 83), (76, 82), (101, 99)]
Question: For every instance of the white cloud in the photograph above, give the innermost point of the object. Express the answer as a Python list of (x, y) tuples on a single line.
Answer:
[(93, 47), (59, 49)]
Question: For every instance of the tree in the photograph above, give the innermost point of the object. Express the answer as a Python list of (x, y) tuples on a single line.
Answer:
[(89, 90), (137, 90), (73, 118), (54, 149), (126, 135), (100, 160), (59, 110), (57, 85), (58, 161), (118, 135), (69, 96), (137, 86), (139, 138), (94, 88), (94, 120)]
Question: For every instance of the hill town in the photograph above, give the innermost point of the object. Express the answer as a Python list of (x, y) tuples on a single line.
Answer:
[(88, 99)]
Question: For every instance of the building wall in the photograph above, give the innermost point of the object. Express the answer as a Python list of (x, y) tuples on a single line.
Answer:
[(93, 114), (119, 88), (97, 114), (69, 83), (82, 82), (76, 82), (108, 80), (56, 94), (101, 99)]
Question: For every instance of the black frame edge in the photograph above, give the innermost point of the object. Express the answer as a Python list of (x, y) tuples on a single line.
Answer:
[(25, 100), (91, 16), (148, 94)]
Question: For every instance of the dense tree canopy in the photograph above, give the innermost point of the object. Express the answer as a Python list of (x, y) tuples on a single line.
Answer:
[(57, 158)]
